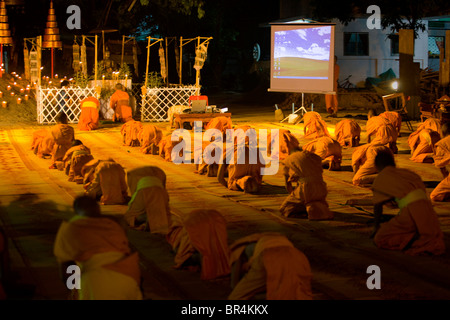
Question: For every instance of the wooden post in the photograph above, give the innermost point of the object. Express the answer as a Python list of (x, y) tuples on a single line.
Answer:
[(181, 60), (167, 63), (197, 73), (148, 61), (96, 59), (39, 55), (444, 68), (123, 51)]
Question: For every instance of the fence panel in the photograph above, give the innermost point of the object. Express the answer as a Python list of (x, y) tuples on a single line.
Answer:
[(157, 101), (50, 101)]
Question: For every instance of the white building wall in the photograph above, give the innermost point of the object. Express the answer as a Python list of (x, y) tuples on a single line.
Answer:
[(379, 59)]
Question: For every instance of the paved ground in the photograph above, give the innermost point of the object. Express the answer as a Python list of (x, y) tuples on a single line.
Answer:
[(34, 200)]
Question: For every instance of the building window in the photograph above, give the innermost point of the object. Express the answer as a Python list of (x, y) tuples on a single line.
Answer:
[(394, 44), (356, 44), (435, 44)]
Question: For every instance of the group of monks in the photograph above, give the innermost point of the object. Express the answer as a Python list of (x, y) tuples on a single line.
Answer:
[(262, 263)]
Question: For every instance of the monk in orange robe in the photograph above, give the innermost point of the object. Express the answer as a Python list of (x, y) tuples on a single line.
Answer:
[(220, 123), (200, 240), (442, 161), (363, 161), (208, 166), (42, 143), (309, 196), (120, 103), (415, 230), (74, 160), (287, 143), (149, 138), (166, 146), (331, 100), (99, 246), (107, 182), (315, 127), (394, 118), (268, 263), (378, 126), (329, 150), (148, 208), (63, 135), (422, 141), (89, 115), (242, 175), (130, 132), (348, 133)]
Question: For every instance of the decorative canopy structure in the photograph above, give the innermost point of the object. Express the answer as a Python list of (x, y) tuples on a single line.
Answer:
[(51, 35), (5, 33)]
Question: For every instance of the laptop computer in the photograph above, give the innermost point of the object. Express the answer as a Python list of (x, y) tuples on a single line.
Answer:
[(198, 106)]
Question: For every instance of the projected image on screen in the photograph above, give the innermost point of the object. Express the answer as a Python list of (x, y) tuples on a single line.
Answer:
[(302, 53)]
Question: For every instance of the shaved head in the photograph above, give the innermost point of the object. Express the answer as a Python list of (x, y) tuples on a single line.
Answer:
[(384, 159)]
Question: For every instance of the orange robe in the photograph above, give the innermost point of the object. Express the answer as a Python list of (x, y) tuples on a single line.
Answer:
[(74, 160), (3, 257), (305, 169), (394, 118), (422, 141), (329, 150), (89, 116), (416, 228), (149, 138), (109, 182), (441, 161), (382, 128), (348, 133), (130, 132), (99, 246), (42, 143), (242, 173), (220, 123), (63, 135), (203, 231), (120, 103), (208, 164), (363, 162), (287, 143), (149, 197), (166, 146), (315, 127), (331, 100), (276, 267)]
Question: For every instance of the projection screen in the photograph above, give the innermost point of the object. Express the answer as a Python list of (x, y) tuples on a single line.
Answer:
[(302, 57)]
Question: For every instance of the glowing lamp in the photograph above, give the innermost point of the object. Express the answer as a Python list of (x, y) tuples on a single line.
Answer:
[(4, 104), (19, 100), (395, 85)]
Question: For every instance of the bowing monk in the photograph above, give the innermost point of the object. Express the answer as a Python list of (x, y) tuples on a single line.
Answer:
[(166, 146), (329, 150), (348, 133), (130, 132), (304, 168), (415, 230), (378, 126), (245, 173), (422, 141), (98, 244), (363, 161), (120, 103), (200, 240), (89, 115), (149, 138), (287, 143), (269, 264), (314, 127), (107, 182), (148, 208), (42, 143), (63, 136), (442, 161), (74, 160), (394, 118)]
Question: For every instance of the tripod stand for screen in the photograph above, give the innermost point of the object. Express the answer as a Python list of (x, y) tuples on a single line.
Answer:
[(302, 109)]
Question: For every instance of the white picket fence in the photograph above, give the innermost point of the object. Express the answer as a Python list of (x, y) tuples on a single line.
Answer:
[(157, 101)]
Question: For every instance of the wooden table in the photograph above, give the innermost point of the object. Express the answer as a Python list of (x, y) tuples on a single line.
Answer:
[(180, 119)]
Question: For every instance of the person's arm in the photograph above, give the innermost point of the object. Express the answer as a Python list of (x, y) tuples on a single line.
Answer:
[(221, 174), (444, 172), (288, 184), (378, 213)]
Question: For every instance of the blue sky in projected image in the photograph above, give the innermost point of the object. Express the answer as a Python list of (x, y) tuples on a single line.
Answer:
[(310, 43)]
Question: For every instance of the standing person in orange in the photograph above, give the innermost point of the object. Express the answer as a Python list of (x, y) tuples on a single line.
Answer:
[(304, 168), (108, 182), (348, 133), (331, 100), (415, 230), (268, 263), (63, 135), (99, 246), (89, 114), (120, 103), (200, 240), (442, 161)]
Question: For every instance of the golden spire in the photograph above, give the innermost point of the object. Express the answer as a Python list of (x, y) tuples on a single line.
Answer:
[(5, 33), (51, 34)]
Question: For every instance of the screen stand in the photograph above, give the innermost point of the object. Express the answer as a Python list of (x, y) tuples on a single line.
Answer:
[(302, 109)]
